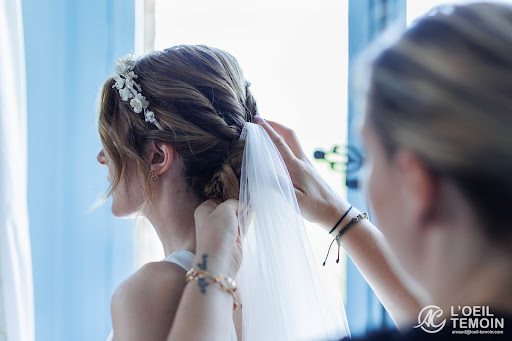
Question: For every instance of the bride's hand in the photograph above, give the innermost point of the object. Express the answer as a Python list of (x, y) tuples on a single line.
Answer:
[(218, 237), (317, 200)]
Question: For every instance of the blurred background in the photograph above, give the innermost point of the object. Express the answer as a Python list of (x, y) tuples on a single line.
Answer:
[(59, 259)]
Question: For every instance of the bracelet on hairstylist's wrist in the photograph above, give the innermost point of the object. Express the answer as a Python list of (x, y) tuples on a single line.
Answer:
[(355, 220), (339, 233), (341, 219)]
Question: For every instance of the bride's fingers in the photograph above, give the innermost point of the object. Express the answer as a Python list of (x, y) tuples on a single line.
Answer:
[(239, 237), (231, 204), (278, 140), (205, 208)]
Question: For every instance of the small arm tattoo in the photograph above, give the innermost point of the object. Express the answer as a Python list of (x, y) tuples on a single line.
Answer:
[(203, 282), (204, 264)]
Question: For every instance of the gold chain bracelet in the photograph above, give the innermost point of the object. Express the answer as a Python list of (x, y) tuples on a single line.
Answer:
[(225, 284)]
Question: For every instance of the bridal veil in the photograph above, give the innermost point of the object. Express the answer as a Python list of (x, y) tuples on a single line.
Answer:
[(282, 294)]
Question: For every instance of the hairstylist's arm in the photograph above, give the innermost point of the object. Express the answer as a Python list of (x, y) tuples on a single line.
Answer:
[(363, 243), (208, 315)]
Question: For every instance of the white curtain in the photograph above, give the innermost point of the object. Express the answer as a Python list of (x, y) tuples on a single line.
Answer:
[(16, 289)]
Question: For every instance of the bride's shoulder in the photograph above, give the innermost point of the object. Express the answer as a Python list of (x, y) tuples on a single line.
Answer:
[(153, 292), (152, 279), (154, 275)]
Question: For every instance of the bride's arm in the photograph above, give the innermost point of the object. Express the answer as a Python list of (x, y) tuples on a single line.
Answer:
[(208, 314), (203, 316), (364, 243)]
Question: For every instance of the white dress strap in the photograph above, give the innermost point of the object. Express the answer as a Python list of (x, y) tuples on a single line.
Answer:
[(182, 258)]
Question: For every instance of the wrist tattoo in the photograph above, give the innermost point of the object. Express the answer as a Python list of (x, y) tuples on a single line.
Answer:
[(203, 282)]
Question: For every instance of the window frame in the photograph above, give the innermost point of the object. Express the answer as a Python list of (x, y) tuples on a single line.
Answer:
[(367, 19)]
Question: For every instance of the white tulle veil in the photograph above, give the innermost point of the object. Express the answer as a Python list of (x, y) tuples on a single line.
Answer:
[(281, 291)]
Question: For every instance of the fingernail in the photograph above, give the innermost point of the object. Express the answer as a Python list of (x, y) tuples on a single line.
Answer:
[(258, 117)]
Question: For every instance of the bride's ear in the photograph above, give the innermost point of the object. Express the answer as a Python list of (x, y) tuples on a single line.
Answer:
[(161, 156)]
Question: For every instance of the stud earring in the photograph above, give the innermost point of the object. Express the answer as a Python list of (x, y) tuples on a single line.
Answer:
[(152, 175)]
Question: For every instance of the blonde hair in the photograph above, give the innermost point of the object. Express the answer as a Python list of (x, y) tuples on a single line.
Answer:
[(202, 100), (444, 91)]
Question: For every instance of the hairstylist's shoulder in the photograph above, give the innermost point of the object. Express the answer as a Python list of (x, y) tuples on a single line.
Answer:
[(379, 335), (144, 305), (411, 334)]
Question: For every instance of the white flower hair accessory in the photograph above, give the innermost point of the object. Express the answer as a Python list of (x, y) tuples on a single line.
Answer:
[(130, 90)]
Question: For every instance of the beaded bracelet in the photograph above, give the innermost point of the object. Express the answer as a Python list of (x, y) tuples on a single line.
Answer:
[(225, 284), (343, 230), (352, 222)]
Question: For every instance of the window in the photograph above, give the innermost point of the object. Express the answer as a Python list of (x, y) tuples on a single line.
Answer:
[(294, 53)]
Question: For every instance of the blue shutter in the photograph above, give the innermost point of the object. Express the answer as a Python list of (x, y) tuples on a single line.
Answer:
[(78, 256), (367, 18)]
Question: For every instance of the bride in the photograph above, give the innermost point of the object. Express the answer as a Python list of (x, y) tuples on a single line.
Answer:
[(176, 129)]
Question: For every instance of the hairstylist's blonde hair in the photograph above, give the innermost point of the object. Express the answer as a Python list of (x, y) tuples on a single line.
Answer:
[(444, 91)]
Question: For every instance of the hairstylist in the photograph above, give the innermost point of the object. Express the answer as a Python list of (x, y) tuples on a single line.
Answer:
[(437, 131)]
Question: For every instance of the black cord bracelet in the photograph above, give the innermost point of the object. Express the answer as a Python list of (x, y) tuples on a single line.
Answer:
[(343, 230), (351, 223), (341, 219)]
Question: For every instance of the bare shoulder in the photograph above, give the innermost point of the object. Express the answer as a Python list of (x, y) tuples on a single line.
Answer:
[(152, 279), (144, 305)]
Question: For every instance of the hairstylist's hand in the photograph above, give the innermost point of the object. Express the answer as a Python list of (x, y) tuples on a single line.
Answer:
[(218, 237), (317, 200)]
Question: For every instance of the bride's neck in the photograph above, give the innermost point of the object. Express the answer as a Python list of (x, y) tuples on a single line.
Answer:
[(172, 215)]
